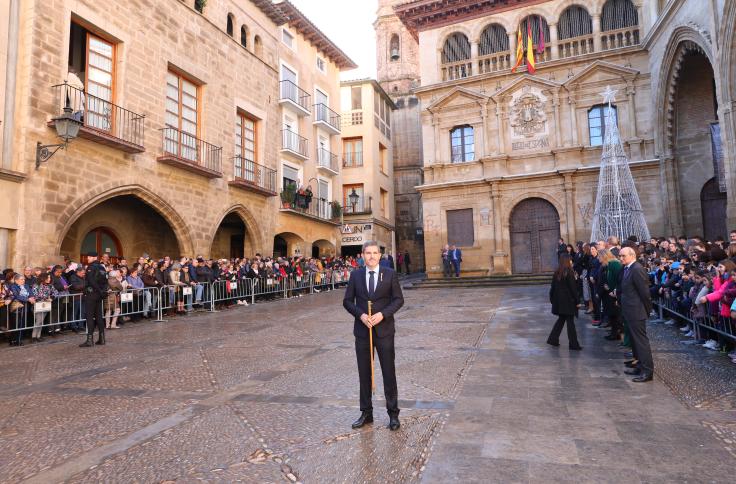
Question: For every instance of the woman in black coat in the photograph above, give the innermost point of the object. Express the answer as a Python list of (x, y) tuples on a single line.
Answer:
[(564, 298)]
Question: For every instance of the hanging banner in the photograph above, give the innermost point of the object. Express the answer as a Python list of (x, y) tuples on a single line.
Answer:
[(717, 148)]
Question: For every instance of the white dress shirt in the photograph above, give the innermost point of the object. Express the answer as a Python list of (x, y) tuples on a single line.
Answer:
[(376, 271)]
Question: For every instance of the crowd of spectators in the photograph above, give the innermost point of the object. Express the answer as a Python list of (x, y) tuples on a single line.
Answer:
[(692, 281), (48, 300)]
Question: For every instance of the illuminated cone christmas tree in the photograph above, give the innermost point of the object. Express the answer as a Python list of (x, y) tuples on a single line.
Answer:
[(617, 207)]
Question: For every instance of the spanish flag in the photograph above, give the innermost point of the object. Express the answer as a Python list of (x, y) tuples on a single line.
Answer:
[(519, 50), (529, 49)]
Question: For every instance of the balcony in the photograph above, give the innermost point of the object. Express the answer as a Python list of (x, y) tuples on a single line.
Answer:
[(363, 207), (575, 47), (327, 119), (327, 162), (102, 121), (498, 61), (295, 97), (457, 70), (294, 144), (618, 39), (318, 209), (190, 153), (352, 159), (253, 177)]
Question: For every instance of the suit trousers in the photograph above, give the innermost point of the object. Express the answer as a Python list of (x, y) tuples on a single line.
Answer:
[(386, 355), (93, 303), (640, 345)]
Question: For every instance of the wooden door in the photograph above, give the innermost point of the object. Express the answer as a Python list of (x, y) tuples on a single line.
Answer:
[(713, 205), (535, 228)]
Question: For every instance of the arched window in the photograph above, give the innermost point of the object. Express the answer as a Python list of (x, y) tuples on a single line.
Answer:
[(243, 36), (394, 48), (230, 24), (575, 21), (597, 123), (102, 241), (540, 37), (257, 46), (462, 143), (618, 14), (493, 39), (456, 48)]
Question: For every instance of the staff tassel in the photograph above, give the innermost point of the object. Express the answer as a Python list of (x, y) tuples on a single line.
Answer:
[(370, 339)]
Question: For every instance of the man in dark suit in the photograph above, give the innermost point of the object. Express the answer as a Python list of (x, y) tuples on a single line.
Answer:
[(636, 304), (456, 257), (380, 285)]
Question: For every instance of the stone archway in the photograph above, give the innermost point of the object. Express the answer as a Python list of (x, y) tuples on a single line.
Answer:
[(534, 230), (109, 191), (323, 248), (253, 240), (288, 244)]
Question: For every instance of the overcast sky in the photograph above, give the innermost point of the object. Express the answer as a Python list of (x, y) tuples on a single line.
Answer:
[(349, 24)]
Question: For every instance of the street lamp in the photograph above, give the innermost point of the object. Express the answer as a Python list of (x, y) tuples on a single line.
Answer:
[(354, 197), (67, 128)]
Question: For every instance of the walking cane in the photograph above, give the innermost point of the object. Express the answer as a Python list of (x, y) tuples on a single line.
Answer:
[(370, 339)]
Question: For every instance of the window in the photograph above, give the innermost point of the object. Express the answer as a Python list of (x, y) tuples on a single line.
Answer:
[(384, 203), (456, 48), (287, 38), (347, 190), (290, 176), (597, 123), (352, 152), (382, 114), (230, 24), (574, 22), (356, 97), (460, 227), (493, 39), (321, 66), (618, 14), (244, 36), (102, 241), (462, 144), (182, 98), (245, 147), (257, 46), (91, 69), (383, 158), (394, 49)]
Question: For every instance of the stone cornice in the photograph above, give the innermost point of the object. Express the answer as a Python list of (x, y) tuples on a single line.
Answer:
[(13, 176)]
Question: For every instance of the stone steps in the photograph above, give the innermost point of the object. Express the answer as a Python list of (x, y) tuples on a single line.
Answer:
[(488, 281)]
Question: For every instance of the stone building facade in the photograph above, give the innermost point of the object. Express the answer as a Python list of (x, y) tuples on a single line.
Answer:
[(369, 212), (181, 142), (397, 54), (510, 159)]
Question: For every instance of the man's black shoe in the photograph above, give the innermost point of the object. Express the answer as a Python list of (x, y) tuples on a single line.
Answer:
[(631, 364), (101, 340), (633, 371), (394, 423), (365, 417), (643, 378), (89, 343)]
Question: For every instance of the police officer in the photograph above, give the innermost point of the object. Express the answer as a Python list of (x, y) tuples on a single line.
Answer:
[(95, 289)]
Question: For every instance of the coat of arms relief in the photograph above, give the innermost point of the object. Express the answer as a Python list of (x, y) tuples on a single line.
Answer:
[(528, 118)]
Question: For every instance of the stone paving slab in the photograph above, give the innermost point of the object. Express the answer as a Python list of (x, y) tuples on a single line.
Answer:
[(266, 393)]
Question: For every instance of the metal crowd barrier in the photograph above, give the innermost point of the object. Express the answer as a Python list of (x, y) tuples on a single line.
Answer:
[(239, 290), (725, 326), (67, 309)]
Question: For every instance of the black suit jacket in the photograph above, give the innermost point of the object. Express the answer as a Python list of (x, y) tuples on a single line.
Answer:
[(633, 293), (387, 299)]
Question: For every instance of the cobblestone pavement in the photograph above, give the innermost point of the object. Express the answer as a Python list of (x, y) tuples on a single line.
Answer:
[(267, 394)]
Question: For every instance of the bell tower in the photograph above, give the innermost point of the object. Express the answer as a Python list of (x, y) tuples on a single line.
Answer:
[(398, 73)]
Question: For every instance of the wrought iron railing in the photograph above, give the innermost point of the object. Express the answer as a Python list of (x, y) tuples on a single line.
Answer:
[(252, 173), (190, 149), (295, 94), (327, 159), (293, 142), (352, 159), (100, 115), (326, 115), (362, 207)]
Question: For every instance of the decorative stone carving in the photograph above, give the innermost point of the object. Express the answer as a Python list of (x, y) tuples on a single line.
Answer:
[(527, 115)]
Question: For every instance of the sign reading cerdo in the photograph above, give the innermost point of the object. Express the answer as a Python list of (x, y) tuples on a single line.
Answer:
[(528, 119), (356, 234)]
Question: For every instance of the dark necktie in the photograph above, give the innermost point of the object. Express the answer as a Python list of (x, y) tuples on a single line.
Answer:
[(626, 272), (371, 283)]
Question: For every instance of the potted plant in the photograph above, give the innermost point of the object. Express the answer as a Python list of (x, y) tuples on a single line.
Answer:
[(199, 5), (287, 195), (336, 209)]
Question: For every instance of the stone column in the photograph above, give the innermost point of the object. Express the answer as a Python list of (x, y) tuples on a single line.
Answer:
[(512, 47), (553, 40), (436, 126), (500, 257), (573, 120), (630, 92), (473, 51), (556, 107), (10, 90), (569, 207), (4, 248), (499, 130), (597, 44), (486, 139), (729, 148)]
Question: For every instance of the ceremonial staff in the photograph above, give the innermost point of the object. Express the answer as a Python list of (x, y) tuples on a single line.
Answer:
[(370, 340)]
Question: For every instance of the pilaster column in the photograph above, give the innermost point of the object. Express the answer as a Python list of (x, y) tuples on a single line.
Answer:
[(597, 44), (499, 130), (553, 40), (630, 93), (556, 107), (499, 256), (473, 51), (436, 126), (569, 207), (573, 120), (486, 144)]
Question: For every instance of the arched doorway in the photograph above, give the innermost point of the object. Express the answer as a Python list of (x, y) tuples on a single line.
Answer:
[(287, 244), (535, 229), (138, 229), (713, 205), (280, 247), (322, 248), (103, 241), (231, 239)]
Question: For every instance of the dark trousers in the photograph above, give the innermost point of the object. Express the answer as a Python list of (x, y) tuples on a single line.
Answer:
[(572, 335), (93, 304), (640, 345), (456, 266), (385, 349)]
